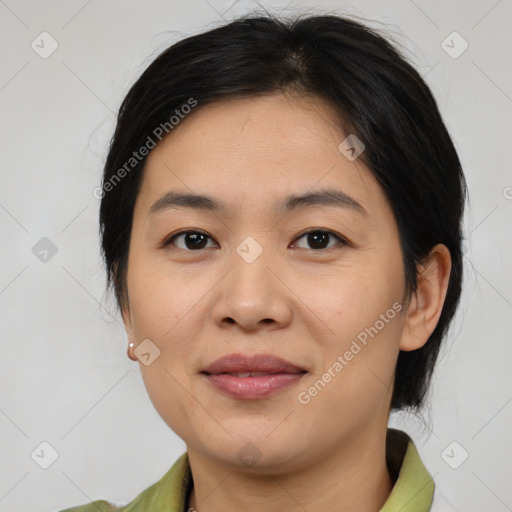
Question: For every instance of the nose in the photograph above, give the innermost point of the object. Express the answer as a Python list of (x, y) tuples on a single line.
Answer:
[(252, 296)]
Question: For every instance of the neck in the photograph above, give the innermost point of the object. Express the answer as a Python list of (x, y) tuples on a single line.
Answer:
[(352, 478)]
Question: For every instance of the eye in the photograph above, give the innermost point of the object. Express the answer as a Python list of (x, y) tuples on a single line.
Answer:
[(319, 237), (197, 240), (193, 240)]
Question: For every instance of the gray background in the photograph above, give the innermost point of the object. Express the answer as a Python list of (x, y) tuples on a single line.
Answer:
[(65, 377)]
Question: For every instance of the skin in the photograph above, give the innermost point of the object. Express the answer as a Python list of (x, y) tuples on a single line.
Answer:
[(303, 304)]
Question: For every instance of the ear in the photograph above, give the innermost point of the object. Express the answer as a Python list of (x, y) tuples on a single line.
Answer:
[(427, 302)]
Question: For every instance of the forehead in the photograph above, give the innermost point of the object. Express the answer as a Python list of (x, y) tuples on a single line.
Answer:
[(254, 151)]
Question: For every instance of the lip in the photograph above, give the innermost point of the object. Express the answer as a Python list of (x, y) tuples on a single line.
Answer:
[(254, 363), (280, 375)]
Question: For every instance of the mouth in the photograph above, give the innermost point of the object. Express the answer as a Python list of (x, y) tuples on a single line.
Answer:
[(247, 374), (252, 377), (240, 364)]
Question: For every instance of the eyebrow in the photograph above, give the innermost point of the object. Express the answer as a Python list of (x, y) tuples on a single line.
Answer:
[(324, 197)]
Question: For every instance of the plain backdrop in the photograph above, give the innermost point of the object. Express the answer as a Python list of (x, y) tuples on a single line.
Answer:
[(65, 376)]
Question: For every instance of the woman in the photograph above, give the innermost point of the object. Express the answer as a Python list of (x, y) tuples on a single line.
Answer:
[(281, 223)]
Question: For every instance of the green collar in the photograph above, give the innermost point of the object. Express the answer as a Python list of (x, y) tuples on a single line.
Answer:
[(413, 489)]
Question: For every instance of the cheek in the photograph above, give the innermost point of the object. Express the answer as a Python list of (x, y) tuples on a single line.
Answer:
[(362, 381), (167, 390), (158, 301), (365, 316), (369, 326), (354, 302)]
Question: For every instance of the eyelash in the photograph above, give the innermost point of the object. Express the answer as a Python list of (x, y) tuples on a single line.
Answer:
[(343, 241)]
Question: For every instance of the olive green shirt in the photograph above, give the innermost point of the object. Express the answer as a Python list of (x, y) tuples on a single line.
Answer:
[(413, 488)]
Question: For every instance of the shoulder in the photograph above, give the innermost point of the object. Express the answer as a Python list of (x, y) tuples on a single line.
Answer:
[(169, 494), (95, 506), (142, 501)]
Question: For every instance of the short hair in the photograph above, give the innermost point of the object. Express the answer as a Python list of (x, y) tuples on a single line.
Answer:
[(379, 97)]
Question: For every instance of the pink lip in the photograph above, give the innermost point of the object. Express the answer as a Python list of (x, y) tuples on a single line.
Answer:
[(255, 363), (281, 374)]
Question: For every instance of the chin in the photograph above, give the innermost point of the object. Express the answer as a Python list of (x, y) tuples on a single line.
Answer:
[(258, 452)]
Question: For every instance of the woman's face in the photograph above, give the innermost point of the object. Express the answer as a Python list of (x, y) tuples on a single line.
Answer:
[(253, 282)]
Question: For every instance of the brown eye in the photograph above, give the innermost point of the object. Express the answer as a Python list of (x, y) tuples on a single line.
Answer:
[(193, 240), (317, 239), (320, 238)]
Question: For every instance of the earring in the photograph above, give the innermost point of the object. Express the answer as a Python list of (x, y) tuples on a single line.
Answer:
[(130, 346)]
